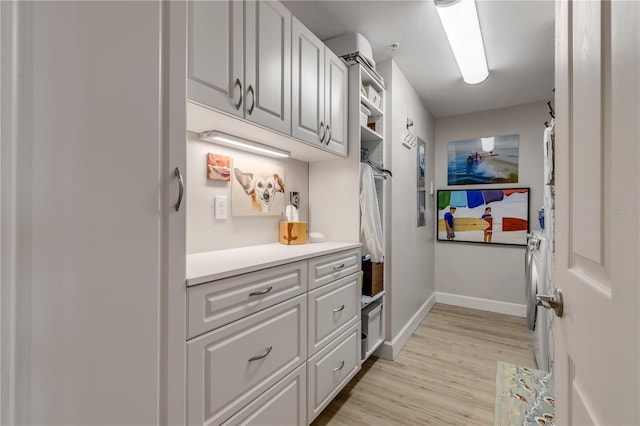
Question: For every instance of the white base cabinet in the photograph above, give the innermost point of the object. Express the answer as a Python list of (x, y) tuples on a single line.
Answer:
[(263, 349), (330, 370), (283, 404)]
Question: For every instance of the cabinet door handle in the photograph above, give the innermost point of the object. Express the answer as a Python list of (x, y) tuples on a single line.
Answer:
[(262, 355), (253, 99), (339, 309), (261, 292), (329, 136), (340, 367), (324, 132), (181, 187), (238, 84), (340, 266)]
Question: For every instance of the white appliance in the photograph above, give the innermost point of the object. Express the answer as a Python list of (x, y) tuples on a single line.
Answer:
[(535, 282)]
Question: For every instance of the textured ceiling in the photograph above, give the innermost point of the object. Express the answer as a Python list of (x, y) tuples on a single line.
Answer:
[(518, 37)]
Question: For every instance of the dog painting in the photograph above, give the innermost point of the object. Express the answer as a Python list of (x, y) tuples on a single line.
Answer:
[(258, 191)]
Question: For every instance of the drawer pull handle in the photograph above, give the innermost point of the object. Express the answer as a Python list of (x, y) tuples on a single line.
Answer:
[(261, 292), (340, 266), (340, 367), (262, 355), (338, 309)]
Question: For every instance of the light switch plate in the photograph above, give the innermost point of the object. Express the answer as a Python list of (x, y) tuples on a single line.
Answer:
[(220, 207)]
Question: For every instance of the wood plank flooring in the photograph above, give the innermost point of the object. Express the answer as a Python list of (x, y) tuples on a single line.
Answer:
[(444, 375)]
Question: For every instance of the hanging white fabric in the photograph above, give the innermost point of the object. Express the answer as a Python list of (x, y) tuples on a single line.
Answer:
[(370, 224)]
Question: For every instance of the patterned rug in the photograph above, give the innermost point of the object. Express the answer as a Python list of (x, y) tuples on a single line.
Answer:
[(524, 396)]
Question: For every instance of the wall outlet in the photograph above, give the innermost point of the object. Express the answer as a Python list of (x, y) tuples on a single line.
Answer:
[(220, 207)]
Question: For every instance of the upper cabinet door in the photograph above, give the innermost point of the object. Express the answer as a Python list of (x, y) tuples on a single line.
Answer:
[(215, 56), (307, 88), (336, 103), (268, 65)]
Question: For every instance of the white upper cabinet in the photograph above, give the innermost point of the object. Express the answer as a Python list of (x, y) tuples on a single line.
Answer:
[(268, 65), (319, 92), (253, 60), (307, 88), (336, 103), (216, 53)]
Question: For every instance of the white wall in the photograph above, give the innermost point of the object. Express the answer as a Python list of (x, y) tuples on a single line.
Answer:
[(411, 262), (495, 273), (204, 233)]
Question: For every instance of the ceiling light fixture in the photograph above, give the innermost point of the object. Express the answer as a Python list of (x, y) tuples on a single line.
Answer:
[(488, 144), (241, 143), (460, 21)]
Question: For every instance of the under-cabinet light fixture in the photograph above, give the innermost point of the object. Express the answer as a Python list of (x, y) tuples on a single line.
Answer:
[(460, 21), (241, 143)]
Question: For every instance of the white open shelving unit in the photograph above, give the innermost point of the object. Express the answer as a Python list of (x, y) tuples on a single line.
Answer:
[(371, 146)]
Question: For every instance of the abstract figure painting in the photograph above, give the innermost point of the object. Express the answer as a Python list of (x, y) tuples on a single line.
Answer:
[(483, 160), (488, 216)]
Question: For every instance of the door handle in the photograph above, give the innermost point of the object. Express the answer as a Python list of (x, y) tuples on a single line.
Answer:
[(181, 193), (324, 132), (253, 99), (339, 367), (262, 355), (338, 309), (238, 84), (261, 292), (552, 301), (329, 136)]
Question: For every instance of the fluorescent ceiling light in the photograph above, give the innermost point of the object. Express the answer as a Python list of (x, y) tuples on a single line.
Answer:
[(460, 21), (488, 143), (245, 144)]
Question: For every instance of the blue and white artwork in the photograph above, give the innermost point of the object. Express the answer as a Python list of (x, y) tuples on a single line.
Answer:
[(483, 160)]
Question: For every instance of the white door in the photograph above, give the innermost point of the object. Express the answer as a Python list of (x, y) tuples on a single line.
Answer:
[(307, 85), (597, 340), (336, 103), (87, 188), (215, 58), (268, 65)]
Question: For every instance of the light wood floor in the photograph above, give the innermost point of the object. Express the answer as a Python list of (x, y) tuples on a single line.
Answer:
[(444, 375)]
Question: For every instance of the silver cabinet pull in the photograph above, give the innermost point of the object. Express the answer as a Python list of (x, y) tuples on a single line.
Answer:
[(262, 355), (324, 132), (339, 309), (552, 301), (339, 368), (335, 268), (238, 83), (181, 193), (253, 99), (329, 135), (261, 292)]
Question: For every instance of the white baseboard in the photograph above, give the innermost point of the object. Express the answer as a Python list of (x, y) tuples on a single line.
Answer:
[(482, 304), (390, 349)]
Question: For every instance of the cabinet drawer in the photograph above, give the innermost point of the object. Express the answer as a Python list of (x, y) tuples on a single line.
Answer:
[(282, 405), (324, 269), (220, 302), (331, 369), (230, 366), (332, 309)]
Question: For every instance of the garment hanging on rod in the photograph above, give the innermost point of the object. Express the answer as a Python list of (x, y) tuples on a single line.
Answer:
[(377, 167), (370, 223)]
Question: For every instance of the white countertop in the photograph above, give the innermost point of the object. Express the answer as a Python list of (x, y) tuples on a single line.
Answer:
[(214, 265)]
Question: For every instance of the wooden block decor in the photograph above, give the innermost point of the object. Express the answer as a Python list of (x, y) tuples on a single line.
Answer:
[(293, 233)]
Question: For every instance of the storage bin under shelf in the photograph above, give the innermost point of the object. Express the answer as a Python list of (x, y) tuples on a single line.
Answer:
[(376, 112)]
